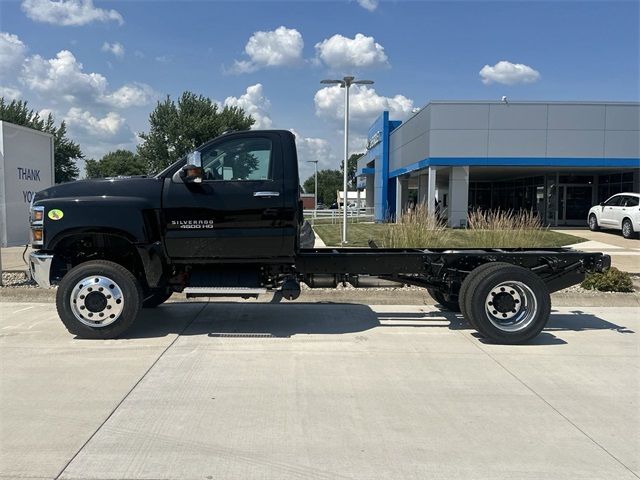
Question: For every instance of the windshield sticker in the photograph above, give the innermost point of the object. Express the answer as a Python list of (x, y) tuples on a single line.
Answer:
[(55, 214)]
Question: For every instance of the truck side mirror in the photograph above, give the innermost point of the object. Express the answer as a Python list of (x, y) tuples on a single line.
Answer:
[(192, 171)]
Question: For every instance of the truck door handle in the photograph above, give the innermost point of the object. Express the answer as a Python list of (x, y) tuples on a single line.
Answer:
[(266, 194)]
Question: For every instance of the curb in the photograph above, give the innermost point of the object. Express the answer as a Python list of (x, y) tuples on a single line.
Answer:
[(370, 297)]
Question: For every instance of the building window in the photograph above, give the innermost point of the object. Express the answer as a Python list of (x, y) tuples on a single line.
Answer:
[(614, 183)]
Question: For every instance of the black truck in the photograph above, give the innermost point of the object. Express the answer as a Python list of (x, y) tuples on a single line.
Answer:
[(225, 221)]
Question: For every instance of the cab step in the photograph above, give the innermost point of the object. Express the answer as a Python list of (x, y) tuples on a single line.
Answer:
[(244, 292)]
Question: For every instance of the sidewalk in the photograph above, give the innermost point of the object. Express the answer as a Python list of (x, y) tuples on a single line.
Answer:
[(625, 254), (12, 258)]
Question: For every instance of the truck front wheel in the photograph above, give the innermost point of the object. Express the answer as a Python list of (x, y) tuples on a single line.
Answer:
[(98, 299), (508, 304)]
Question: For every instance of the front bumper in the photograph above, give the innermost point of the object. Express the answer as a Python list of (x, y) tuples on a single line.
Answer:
[(40, 268)]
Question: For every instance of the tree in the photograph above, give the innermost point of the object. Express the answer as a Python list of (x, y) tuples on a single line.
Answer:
[(352, 167), (329, 182), (178, 128), (66, 151), (113, 164)]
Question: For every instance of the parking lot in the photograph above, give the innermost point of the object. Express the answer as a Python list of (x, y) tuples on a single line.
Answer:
[(277, 391)]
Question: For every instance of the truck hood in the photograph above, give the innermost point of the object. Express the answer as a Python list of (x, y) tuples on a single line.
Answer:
[(140, 187)]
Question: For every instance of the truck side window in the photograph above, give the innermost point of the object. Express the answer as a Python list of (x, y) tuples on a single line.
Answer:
[(241, 159)]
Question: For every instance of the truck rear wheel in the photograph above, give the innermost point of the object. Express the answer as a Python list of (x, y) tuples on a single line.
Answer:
[(464, 288), (98, 299), (439, 297), (508, 304)]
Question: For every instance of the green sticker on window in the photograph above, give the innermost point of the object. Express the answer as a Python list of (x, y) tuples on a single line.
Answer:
[(55, 214)]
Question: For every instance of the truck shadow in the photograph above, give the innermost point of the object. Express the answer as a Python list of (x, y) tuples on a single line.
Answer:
[(266, 320)]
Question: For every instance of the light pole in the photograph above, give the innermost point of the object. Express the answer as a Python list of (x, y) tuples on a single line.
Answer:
[(346, 83), (315, 190)]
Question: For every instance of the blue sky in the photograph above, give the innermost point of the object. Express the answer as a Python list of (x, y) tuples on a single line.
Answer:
[(102, 65)]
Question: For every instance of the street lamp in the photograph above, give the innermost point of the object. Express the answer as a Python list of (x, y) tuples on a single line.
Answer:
[(346, 83), (315, 191)]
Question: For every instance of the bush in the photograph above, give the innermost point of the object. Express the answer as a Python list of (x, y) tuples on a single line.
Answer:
[(506, 228), (613, 280), (417, 228)]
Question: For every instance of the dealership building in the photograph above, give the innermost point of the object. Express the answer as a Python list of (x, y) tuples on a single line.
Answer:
[(554, 158)]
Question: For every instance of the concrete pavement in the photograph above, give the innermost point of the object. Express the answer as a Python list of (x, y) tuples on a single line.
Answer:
[(250, 390)]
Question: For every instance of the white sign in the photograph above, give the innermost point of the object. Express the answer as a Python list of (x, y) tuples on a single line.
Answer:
[(26, 167)]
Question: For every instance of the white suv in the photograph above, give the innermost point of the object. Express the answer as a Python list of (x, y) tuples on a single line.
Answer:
[(620, 212)]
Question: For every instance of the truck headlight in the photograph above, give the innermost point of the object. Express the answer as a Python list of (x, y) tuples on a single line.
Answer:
[(37, 236), (37, 215), (36, 219)]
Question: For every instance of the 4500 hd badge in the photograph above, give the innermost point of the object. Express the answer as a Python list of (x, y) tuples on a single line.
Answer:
[(190, 224)]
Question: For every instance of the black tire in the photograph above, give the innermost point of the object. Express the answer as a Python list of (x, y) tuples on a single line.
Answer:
[(120, 283), (627, 229), (464, 288), (523, 296), (439, 297), (593, 223), (156, 298)]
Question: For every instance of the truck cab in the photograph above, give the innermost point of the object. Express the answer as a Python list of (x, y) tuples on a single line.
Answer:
[(239, 201)]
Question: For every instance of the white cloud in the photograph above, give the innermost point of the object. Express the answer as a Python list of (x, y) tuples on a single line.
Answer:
[(364, 104), (12, 52), (130, 95), (279, 47), (10, 93), (115, 48), (68, 12), (370, 5), (311, 149), (340, 53), (45, 112), (255, 104), (508, 73), (111, 127), (357, 143), (63, 78)]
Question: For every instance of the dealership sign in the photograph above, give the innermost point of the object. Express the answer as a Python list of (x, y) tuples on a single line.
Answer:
[(26, 167), (374, 140)]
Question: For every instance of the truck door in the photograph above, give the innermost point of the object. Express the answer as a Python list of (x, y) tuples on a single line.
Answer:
[(237, 211)]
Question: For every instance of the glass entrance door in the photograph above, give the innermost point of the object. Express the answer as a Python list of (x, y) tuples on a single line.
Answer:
[(574, 202)]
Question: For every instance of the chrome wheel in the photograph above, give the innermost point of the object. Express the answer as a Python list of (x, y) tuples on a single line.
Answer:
[(627, 231), (96, 301), (511, 306), (593, 222)]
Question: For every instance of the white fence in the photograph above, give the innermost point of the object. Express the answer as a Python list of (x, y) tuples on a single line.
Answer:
[(326, 216)]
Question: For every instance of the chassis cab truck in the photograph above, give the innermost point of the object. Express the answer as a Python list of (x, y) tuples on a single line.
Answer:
[(225, 221)]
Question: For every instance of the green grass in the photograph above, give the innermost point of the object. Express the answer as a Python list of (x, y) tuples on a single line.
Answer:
[(360, 233)]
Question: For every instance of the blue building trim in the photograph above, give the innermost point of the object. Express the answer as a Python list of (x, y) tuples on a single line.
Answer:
[(518, 162), (366, 171), (381, 166)]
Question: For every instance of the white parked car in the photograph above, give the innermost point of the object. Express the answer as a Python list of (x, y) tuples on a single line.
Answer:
[(620, 212)]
